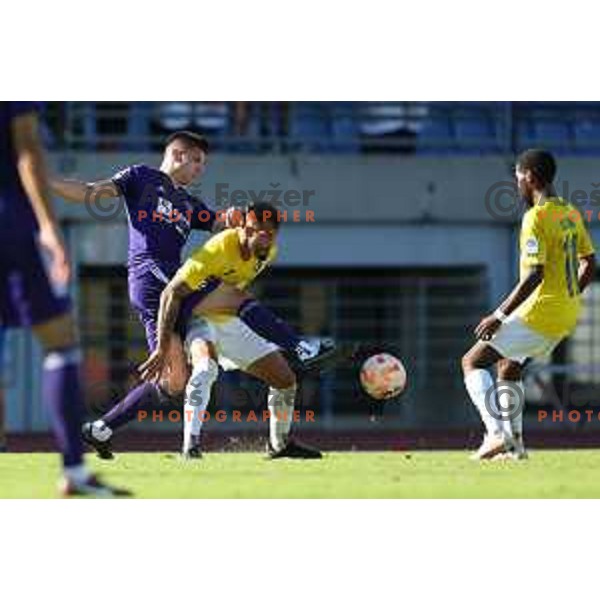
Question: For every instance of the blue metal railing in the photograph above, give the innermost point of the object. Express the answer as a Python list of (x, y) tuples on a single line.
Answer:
[(426, 128)]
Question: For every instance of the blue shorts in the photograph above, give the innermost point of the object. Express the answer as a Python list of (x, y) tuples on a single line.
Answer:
[(27, 295)]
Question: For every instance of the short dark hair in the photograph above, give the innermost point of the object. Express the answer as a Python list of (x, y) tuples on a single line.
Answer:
[(264, 212), (541, 163), (191, 139)]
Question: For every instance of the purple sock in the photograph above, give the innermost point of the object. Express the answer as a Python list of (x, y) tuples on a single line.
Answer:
[(264, 322), (143, 397), (62, 395)]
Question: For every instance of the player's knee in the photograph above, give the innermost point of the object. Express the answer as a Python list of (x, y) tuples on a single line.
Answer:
[(201, 351), (509, 370), (175, 383), (284, 378), (467, 363)]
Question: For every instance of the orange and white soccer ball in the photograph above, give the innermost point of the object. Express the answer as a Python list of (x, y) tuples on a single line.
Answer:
[(383, 377)]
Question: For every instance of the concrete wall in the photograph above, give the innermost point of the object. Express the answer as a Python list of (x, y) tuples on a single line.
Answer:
[(358, 189), (380, 212)]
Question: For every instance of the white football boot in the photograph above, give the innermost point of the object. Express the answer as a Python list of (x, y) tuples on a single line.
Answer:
[(493, 445)]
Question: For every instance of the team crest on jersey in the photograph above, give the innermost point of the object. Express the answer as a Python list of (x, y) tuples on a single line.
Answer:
[(532, 247)]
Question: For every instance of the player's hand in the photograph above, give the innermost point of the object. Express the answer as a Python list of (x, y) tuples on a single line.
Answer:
[(153, 368), (52, 243), (487, 328), (234, 217)]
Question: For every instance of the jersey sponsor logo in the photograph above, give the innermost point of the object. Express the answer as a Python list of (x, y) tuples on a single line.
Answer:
[(532, 247)]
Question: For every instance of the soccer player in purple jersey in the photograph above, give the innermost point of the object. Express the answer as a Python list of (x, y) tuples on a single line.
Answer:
[(157, 236), (34, 277)]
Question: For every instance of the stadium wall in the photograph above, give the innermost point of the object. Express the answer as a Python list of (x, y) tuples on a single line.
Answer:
[(368, 212)]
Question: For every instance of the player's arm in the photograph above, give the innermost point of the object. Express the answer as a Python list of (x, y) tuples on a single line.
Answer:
[(79, 191), (490, 324), (31, 166), (170, 304), (523, 290), (587, 258), (586, 272), (233, 217), (533, 249), (204, 263)]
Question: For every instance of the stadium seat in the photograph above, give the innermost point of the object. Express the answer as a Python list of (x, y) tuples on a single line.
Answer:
[(436, 137), (587, 136), (554, 135), (345, 128), (311, 124), (475, 134)]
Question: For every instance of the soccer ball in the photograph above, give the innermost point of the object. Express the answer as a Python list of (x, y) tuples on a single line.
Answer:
[(383, 377)]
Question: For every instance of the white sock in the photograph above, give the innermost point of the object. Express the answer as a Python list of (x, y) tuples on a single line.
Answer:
[(101, 431), (516, 421), (78, 474), (509, 404), (281, 408), (197, 397), (479, 384)]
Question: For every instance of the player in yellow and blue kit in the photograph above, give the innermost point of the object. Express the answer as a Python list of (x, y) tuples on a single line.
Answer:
[(235, 257), (557, 264)]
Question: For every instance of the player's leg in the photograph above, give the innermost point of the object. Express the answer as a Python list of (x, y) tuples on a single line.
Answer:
[(31, 299), (61, 390), (262, 359), (61, 386), (511, 400), (275, 371), (205, 371), (145, 397), (476, 365), (268, 325), (516, 342), (144, 295)]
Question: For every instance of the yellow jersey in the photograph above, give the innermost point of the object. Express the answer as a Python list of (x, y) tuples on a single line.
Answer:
[(553, 235), (221, 258)]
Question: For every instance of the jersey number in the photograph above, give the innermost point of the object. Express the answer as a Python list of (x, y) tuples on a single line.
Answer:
[(571, 264)]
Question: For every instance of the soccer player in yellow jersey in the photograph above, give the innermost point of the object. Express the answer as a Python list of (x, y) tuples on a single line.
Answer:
[(557, 264), (235, 257)]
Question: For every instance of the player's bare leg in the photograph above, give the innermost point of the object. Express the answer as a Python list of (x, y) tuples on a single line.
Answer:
[(275, 371), (98, 434), (205, 371), (511, 399), (482, 390)]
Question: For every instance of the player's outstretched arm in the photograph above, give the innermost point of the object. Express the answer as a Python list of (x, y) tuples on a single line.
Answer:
[(79, 191), (490, 324), (586, 271), (170, 305)]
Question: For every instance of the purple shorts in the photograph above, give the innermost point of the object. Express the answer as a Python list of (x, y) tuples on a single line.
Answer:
[(145, 289), (27, 295)]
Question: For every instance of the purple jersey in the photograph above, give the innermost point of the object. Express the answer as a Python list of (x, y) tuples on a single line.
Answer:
[(161, 216), (157, 235), (16, 214)]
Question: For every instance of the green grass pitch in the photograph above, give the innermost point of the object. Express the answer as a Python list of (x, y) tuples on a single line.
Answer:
[(548, 474)]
